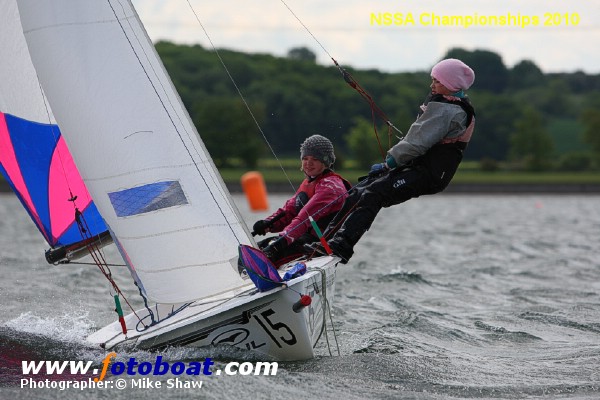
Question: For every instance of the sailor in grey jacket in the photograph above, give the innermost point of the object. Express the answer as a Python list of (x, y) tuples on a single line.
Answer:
[(422, 163)]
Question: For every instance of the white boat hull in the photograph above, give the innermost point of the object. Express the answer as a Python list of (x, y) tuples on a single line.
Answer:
[(262, 322)]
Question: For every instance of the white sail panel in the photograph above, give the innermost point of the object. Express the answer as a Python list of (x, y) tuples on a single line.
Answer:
[(33, 155), (20, 91), (131, 138)]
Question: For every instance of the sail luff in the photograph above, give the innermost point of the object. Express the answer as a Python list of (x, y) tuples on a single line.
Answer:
[(175, 106), (136, 147), (33, 156)]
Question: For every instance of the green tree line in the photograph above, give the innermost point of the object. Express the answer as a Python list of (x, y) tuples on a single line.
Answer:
[(526, 120)]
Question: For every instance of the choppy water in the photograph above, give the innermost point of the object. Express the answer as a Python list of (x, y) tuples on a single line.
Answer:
[(448, 296)]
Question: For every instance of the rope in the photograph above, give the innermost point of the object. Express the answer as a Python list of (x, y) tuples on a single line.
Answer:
[(70, 262), (324, 301), (82, 225), (150, 313), (375, 110), (333, 328), (326, 311), (98, 256)]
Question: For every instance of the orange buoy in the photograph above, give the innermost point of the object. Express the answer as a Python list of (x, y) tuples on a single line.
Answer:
[(255, 189)]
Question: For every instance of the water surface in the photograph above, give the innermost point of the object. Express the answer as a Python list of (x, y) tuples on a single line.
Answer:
[(448, 296)]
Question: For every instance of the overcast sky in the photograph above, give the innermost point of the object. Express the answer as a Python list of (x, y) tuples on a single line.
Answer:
[(561, 35)]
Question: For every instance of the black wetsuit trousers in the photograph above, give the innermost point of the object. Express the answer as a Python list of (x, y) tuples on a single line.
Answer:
[(370, 196)]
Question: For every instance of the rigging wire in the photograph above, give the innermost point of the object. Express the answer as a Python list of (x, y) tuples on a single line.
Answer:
[(53, 128), (326, 306), (82, 225), (98, 257), (164, 106), (169, 100), (240, 94), (306, 28), (375, 109)]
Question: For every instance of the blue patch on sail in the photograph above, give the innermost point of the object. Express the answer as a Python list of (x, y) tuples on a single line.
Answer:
[(147, 198)]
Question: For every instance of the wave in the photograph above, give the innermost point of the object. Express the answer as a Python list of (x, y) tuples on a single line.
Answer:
[(560, 321), (65, 328), (499, 332), (404, 276), (41, 338)]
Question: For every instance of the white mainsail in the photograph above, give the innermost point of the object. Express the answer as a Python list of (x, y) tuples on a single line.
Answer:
[(44, 177), (135, 147), (17, 75)]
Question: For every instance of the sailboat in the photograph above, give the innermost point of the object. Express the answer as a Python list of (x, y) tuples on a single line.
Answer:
[(157, 192)]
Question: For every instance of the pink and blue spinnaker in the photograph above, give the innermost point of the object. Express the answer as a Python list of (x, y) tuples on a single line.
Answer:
[(37, 165)]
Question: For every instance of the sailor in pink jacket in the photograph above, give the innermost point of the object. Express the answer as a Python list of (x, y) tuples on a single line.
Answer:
[(320, 196)]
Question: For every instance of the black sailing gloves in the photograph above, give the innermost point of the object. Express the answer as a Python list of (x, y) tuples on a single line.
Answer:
[(260, 227), (274, 250)]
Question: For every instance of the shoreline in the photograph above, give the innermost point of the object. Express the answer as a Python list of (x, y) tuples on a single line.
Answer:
[(475, 188), (457, 188)]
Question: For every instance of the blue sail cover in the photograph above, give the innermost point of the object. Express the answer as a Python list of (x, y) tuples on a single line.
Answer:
[(39, 168)]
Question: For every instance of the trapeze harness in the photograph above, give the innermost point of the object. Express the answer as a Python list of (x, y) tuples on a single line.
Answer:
[(442, 159)]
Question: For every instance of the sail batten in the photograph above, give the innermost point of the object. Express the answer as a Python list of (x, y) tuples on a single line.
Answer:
[(128, 131)]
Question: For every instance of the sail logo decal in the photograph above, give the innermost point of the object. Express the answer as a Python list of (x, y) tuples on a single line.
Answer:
[(147, 198)]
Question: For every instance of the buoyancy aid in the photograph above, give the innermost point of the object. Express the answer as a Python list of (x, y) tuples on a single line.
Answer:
[(442, 159), (467, 107), (307, 188)]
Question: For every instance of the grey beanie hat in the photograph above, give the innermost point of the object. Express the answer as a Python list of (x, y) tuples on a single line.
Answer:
[(318, 147)]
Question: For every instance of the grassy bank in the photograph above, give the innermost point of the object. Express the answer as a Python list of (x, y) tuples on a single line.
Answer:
[(233, 175), (465, 176), (468, 173)]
